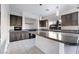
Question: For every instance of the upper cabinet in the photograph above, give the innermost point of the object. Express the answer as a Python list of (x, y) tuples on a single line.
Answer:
[(43, 23), (70, 19), (15, 20), (12, 20), (75, 18), (19, 21)]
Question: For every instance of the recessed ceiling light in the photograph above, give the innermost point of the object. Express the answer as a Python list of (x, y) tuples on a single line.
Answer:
[(57, 11)]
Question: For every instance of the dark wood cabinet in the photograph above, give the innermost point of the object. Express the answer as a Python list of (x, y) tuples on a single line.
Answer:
[(75, 18), (19, 21), (15, 20), (70, 19), (25, 35), (12, 36), (43, 23), (12, 20), (63, 18), (18, 35)]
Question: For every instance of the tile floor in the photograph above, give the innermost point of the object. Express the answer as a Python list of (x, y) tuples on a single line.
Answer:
[(23, 47)]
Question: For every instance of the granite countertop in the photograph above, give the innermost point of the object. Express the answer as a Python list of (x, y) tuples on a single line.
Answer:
[(29, 30), (66, 38), (67, 31)]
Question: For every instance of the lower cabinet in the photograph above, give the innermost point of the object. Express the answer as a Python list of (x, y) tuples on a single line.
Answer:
[(12, 36), (18, 35), (70, 49), (53, 47), (46, 45)]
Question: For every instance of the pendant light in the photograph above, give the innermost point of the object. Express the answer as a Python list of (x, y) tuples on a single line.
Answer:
[(57, 11)]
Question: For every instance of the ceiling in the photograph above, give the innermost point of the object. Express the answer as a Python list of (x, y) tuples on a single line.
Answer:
[(43, 10)]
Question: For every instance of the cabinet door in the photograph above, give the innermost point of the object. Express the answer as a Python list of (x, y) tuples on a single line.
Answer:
[(75, 18), (15, 20), (69, 19), (12, 20), (18, 36), (12, 36), (19, 21), (63, 18), (25, 35)]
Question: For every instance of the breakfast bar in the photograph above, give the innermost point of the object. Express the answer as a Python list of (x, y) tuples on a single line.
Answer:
[(56, 42)]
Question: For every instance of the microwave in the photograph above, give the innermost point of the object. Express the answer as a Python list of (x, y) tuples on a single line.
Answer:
[(17, 28)]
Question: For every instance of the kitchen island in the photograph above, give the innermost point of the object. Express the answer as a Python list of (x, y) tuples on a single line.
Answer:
[(66, 38), (55, 42)]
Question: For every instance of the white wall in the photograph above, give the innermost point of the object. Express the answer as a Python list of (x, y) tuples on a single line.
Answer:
[(4, 27), (31, 23), (51, 17), (28, 17), (15, 13), (70, 27), (68, 8)]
